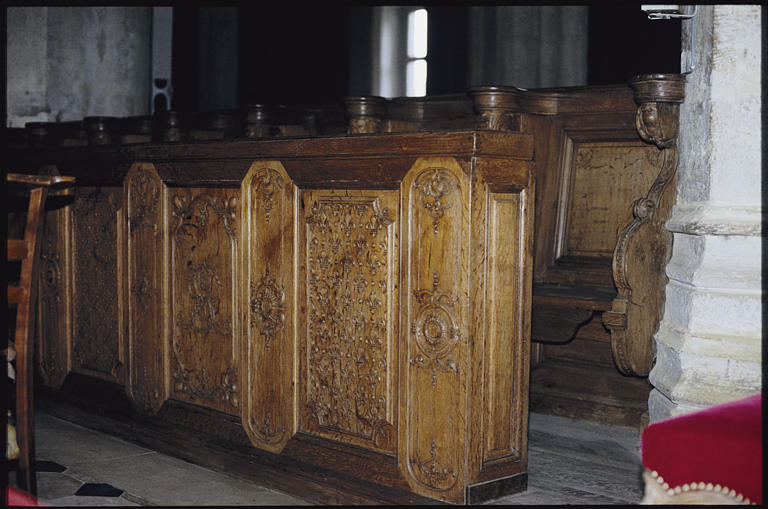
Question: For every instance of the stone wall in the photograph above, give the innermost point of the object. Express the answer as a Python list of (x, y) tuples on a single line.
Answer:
[(709, 344), (66, 63)]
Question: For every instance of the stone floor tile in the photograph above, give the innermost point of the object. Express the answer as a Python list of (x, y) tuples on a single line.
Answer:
[(69, 444), (164, 480), (52, 485), (570, 462), (74, 500)]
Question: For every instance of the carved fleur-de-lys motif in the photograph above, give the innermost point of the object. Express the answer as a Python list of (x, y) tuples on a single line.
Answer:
[(267, 430), (267, 306), (266, 182), (204, 288), (145, 197), (435, 330), (433, 473), (346, 299), (435, 186)]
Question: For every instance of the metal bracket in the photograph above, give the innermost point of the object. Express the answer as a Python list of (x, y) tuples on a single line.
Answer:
[(665, 11)]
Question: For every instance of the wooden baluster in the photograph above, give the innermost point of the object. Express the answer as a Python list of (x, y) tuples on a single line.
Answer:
[(497, 107), (169, 127), (38, 133), (365, 114), (256, 121), (100, 130)]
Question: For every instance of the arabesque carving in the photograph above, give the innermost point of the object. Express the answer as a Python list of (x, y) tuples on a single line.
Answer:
[(347, 295), (435, 186), (203, 316), (265, 183), (433, 473)]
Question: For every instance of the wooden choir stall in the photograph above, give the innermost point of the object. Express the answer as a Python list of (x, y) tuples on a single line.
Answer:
[(340, 300)]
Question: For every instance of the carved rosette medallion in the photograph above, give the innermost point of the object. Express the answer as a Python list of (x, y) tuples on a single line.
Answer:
[(348, 246), (266, 183), (435, 330), (267, 307), (436, 186), (204, 223)]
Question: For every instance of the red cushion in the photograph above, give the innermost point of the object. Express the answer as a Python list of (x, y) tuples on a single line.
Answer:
[(719, 445), (18, 498)]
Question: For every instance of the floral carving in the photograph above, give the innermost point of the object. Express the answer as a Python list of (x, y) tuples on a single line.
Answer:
[(200, 384), (435, 186), (266, 182), (267, 306), (204, 287), (144, 195), (267, 431), (192, 216), (348, 246), (203, 317), (433, 473), (435, 330), (95, 343)]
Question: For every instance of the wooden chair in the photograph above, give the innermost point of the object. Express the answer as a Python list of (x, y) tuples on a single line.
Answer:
[(23, 297)]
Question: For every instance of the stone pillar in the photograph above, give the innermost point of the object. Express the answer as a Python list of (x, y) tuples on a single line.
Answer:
[(709, 342), (66, 63)]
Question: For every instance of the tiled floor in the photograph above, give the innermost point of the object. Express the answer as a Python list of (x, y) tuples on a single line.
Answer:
[(570, 462)]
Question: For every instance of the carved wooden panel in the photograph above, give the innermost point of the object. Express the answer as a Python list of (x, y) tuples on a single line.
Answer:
[(268, 290), (54, 314), (349, 257), (602, 180), (96, 346), (145, 249), (506, 325), (203, 282), (435, 280)]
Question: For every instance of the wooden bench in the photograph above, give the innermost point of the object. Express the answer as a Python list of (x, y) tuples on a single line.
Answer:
[(156, 196)]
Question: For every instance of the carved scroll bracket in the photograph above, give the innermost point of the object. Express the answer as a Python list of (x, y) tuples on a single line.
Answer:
[(643, 246), (658, 97)]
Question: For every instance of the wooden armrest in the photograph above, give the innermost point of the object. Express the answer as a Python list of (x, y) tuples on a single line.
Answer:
[(54, 182)]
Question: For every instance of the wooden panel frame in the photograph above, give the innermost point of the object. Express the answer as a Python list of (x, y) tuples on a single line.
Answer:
[(269, 267), (203, 268), (434, 358), (145, 287)]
